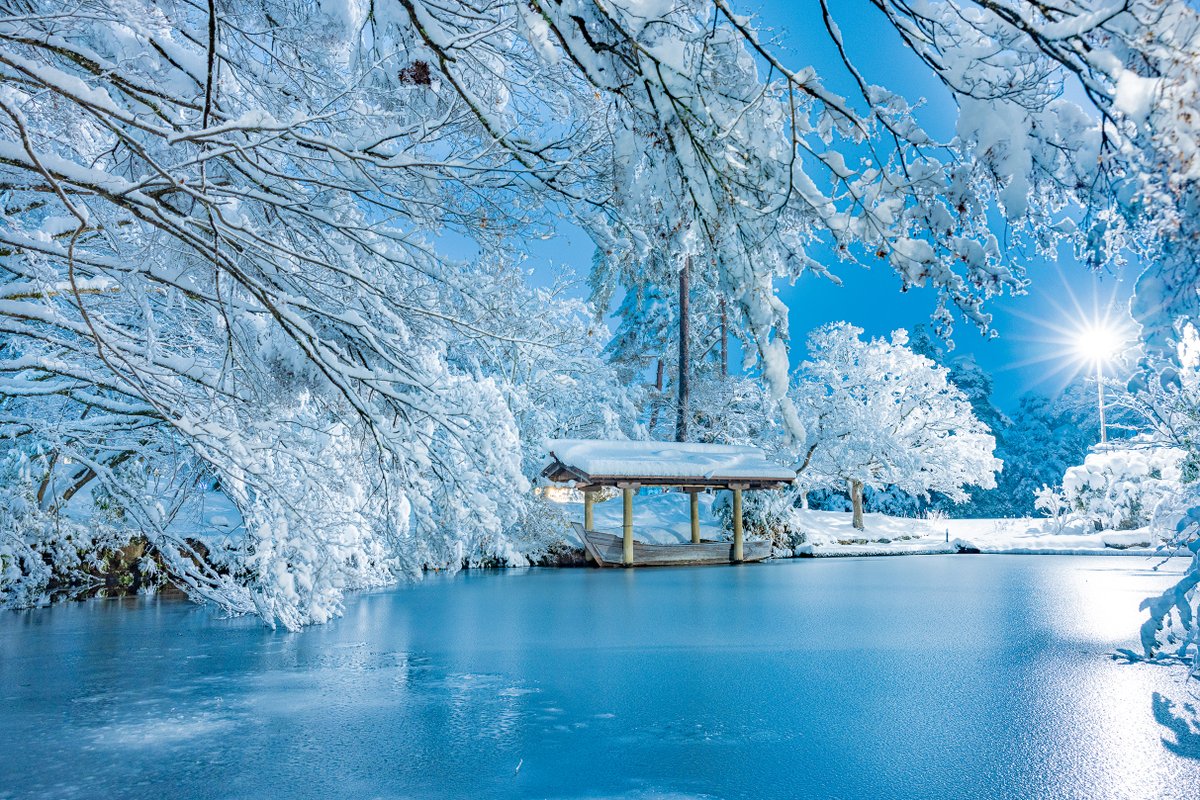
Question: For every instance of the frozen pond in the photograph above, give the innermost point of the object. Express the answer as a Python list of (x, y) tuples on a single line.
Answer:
[(920, 677)]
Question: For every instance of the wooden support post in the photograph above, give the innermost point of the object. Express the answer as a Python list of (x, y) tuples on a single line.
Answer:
[(627, 491), (737, 524), (589, 502), (695, 507)]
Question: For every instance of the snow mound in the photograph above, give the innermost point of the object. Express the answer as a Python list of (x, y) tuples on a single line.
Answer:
[(664, 519), (657, 519)]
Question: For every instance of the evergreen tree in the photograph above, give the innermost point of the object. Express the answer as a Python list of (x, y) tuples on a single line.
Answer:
[(645, 345)]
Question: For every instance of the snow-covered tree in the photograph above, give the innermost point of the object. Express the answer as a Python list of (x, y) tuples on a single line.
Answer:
[(1047, 437), (1044, 437), (223, 226), (643, 338), (880, 416), (185, 268), (1110, 175), (967, 376), (217, 235), (1167, 399), (554, 375), (646, 348), (735, 410), (977, 386)]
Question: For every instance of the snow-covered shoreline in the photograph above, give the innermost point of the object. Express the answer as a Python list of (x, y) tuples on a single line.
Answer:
[(663, 519)]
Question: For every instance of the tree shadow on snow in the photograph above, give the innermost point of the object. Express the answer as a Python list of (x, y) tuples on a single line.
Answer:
[(1126, 656), (1182, 720)]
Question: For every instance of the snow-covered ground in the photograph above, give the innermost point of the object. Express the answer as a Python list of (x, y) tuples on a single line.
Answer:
[(657, 519), (830, 533), (663, 519)]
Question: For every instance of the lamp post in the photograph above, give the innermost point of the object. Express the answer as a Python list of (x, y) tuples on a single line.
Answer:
[(1098, 343)]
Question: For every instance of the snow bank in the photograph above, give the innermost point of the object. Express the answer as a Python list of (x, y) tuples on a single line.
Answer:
[(657, 519), (664, 519), (830, 533)]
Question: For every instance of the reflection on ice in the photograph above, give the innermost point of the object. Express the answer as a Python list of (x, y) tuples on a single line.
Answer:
[(166, 731)]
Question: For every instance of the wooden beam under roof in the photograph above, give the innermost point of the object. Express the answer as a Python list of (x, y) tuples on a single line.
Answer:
[(564, 473)]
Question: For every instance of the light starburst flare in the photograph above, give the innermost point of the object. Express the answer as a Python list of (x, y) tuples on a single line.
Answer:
[(1100, 341)]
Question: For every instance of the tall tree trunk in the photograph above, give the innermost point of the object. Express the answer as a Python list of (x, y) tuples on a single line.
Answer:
[(681, 421), (724, 341), (656, 401), (48, 479), (856, 499)]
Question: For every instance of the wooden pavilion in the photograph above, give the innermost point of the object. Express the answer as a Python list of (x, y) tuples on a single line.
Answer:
[(591, 465)]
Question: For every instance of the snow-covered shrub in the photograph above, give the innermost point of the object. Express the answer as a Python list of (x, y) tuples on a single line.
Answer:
[(1051, 501), (1119, 488), (44, 551), (766, 514), (541, 535)]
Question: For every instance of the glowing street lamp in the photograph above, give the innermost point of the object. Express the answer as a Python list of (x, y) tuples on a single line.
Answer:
[(1099, 343)]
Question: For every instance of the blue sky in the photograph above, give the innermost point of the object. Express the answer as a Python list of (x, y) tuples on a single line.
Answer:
[(1029, 354)]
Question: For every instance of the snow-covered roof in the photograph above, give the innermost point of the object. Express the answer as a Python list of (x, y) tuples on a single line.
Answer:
[(607, 462)]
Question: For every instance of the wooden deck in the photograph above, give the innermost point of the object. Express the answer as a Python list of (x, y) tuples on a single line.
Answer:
[(606, 551)]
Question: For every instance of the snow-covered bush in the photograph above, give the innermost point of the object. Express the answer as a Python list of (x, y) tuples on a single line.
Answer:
[(765, 515), (46, 551), (541, 535), (1051, 501), (1118, 488)]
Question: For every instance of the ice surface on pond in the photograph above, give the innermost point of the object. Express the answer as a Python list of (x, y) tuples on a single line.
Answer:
[(933, 677)]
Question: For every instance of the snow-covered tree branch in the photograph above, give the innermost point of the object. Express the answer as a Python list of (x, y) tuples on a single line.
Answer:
[(226, 250)]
